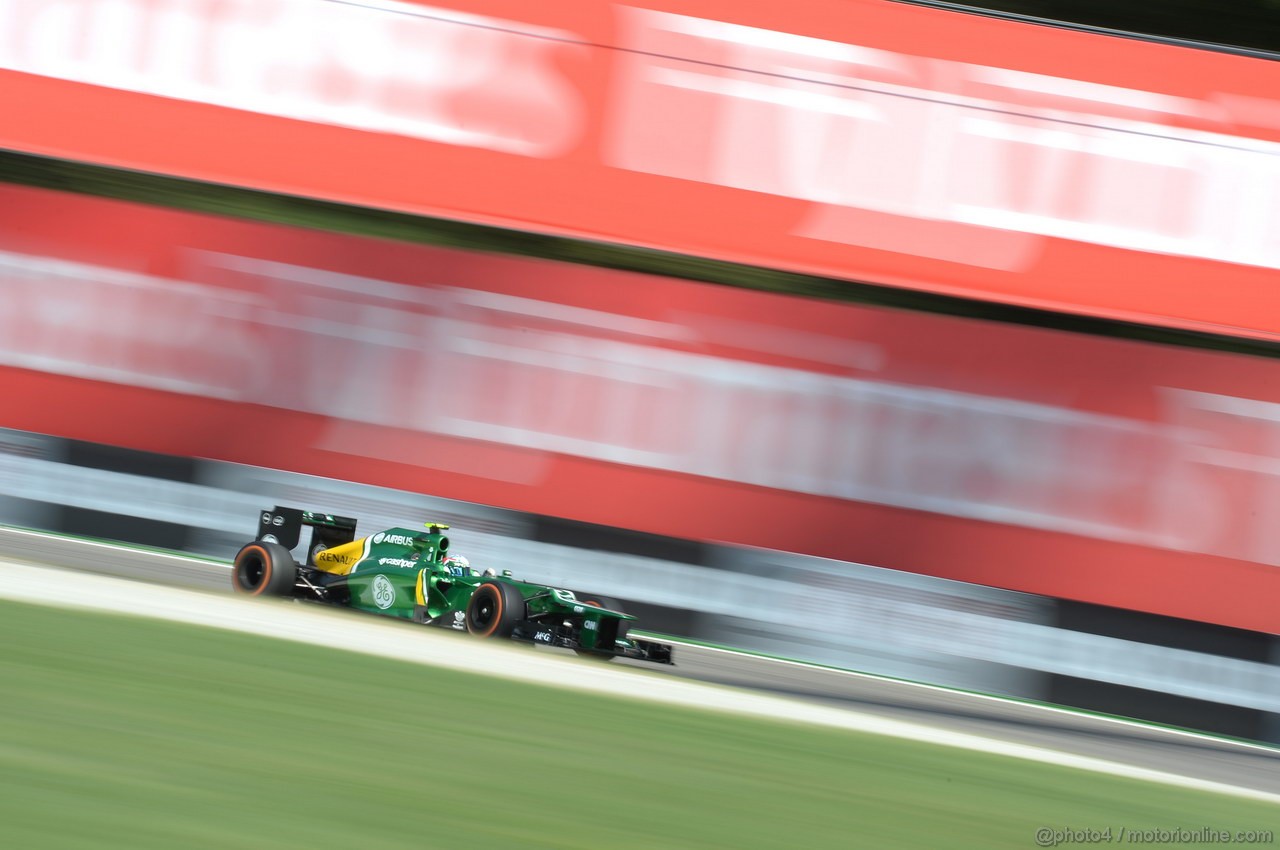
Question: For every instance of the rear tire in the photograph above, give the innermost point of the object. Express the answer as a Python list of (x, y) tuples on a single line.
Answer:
[(264, 569), (494, 610)]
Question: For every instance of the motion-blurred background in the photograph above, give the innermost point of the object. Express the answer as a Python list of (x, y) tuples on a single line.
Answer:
[(898, 337)]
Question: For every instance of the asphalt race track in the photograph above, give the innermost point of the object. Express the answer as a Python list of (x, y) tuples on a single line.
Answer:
[(1172, 751)]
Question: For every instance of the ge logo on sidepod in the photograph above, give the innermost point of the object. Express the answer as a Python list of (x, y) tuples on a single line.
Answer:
[(383, 593)]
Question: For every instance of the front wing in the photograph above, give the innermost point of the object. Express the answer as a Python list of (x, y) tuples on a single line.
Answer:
[(565, 636)]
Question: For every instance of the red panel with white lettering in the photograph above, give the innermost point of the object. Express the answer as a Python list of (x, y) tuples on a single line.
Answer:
[(1103, 470), (854, 138)]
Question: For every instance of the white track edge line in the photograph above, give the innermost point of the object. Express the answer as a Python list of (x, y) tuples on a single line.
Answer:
[(118, 547), (1010, 701)]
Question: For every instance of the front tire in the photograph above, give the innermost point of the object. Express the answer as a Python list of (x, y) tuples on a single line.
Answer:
[(264, 569), (494, 610)]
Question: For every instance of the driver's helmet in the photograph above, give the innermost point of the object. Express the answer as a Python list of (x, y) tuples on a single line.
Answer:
[(458, 565)]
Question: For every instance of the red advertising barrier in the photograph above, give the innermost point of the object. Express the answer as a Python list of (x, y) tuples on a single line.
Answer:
[(860, 139), (1103, 470)]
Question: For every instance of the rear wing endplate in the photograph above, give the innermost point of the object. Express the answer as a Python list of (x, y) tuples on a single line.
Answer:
[(284, 526)]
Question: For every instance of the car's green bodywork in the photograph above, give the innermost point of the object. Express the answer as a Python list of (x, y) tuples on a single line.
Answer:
[(404, 574), (407, 573)]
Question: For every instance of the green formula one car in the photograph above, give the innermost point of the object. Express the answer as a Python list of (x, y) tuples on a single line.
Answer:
[(410, 574)]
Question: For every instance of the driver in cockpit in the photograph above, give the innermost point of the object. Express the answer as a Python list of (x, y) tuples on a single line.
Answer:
[(458, 565)]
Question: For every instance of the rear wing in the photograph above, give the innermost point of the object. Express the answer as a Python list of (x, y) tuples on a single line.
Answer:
[(284, 526)]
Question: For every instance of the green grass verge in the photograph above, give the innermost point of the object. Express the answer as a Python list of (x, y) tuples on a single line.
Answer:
[(119, 732)]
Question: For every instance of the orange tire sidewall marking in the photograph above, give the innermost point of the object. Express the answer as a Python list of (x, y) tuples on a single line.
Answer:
[(266, 576), (497, 616)]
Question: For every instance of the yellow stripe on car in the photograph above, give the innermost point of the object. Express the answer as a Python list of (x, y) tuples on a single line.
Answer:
[(340, 560)]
